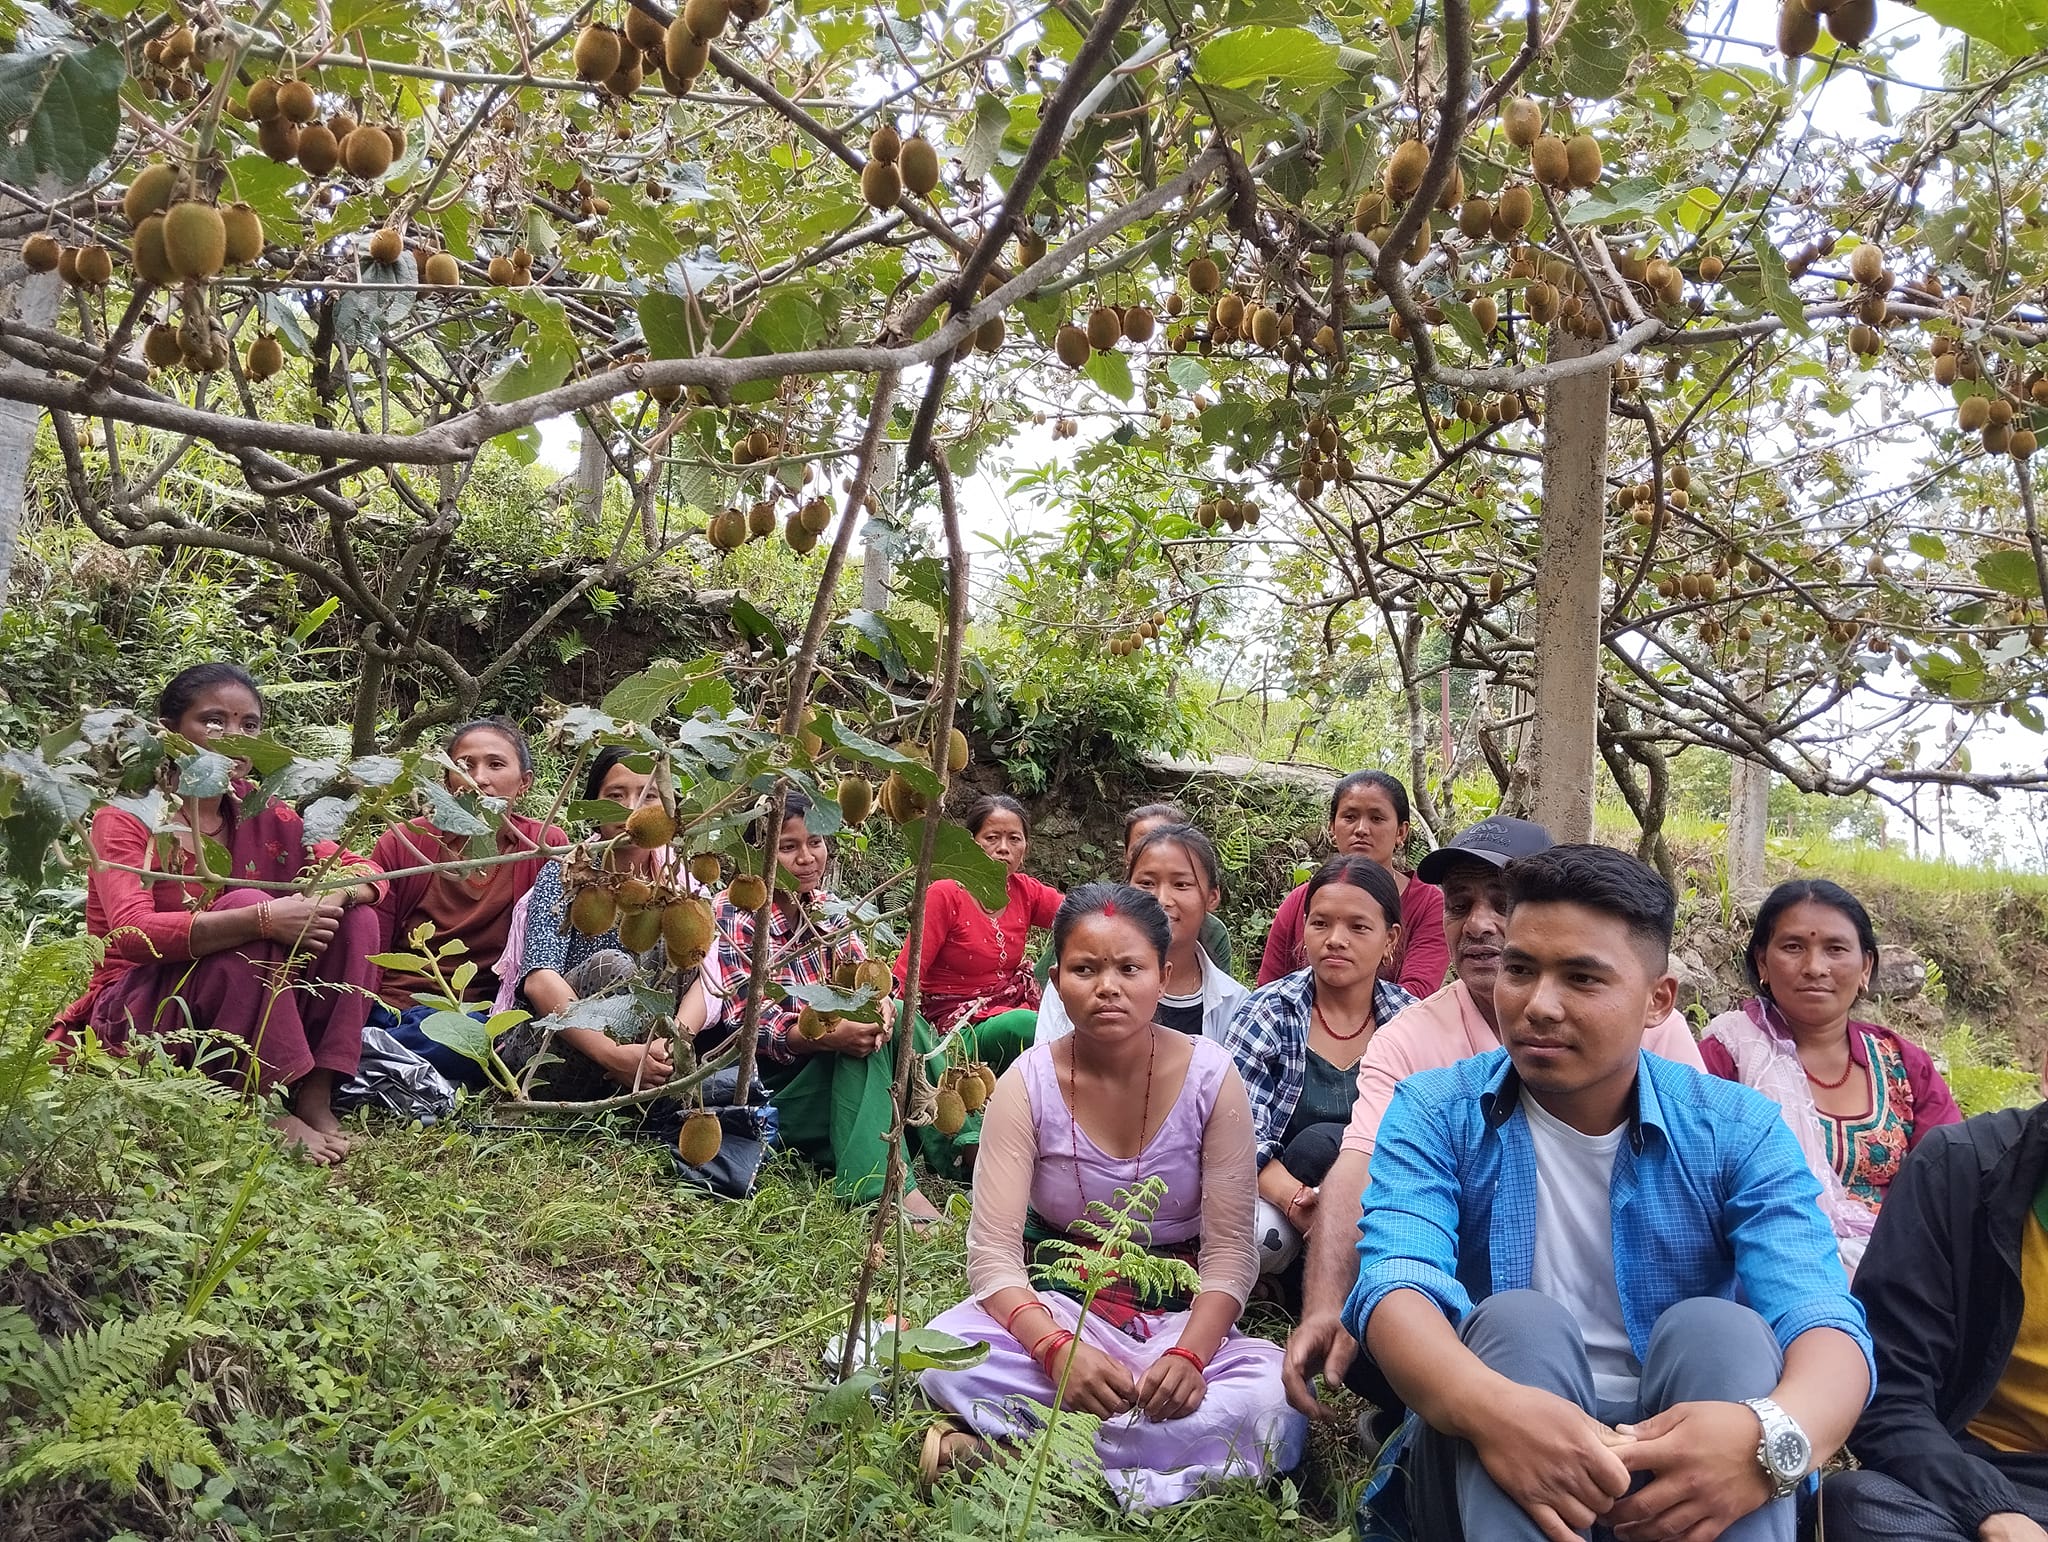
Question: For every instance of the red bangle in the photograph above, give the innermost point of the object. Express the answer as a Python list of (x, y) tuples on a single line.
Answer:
[(1064, 1339), (1191, 1357), (1010, 1323)]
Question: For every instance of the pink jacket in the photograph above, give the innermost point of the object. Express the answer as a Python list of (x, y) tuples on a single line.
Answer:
[(1445, 1029)]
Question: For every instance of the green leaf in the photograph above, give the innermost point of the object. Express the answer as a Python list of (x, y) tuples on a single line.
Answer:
[(758, 626), (315, 618), (848, 1405), (264, 754), (984, 137), (404, 963), (860, 747), (66, 106), (959, 856), (927, 1349), (644, 697), (446, 813), (1112, 372), (2010, 572), (460, 1032), (1778, 292), (2016, 28), (547, 356), (1249, 56), (1190, 374), (1922, 544), (596, 811), (1595, 51), (672, 332)]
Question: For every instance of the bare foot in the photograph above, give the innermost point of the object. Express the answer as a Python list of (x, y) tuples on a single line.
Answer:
[(921, 1212), (312, 1104), (321, 1148)]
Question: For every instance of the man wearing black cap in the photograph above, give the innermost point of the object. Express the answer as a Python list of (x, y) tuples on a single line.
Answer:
[(1457, 1022)]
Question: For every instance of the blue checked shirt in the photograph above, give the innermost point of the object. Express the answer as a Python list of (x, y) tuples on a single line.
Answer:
[(1710, 1193), (1269, 1041)]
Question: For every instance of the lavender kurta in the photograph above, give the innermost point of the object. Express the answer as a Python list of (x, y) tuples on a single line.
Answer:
[(1244, 1426)]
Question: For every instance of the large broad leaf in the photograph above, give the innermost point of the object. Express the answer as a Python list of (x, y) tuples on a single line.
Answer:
[(1249, 56), (2011, 572), (447, 813), (204, 774), (916, 772), (644, 697), (362, 316), (927, 1349), (43, 800), (984, 138), (547, 354), (672, 329), (2016, 28), (66, 106), (1778, 291), (851, 1404), (1112, 372), (960, 857), (460, 1032)]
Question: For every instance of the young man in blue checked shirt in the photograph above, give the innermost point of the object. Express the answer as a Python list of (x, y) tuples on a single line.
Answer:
[(1552, 1246)]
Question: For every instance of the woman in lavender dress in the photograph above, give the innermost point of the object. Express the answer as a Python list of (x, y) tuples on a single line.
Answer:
[(1184, 1398)]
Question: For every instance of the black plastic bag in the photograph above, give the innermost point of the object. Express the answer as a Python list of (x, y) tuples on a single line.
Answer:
[(748, 1133), (395, 1079)]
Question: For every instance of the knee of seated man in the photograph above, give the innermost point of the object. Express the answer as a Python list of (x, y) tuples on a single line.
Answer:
[(1516, 1315), (1730, 1352)]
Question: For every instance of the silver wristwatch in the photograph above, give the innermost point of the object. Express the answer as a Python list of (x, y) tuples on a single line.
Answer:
[(1784, 1452)]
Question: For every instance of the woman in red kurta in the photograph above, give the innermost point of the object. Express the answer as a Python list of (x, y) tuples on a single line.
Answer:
[(287, 975), (492, 758), (1369, 818), (975, 968)]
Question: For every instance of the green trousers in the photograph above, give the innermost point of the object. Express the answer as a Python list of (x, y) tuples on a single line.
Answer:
[(835, 1110), (998, 1040)]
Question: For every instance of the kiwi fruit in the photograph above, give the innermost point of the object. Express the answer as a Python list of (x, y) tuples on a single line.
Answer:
[(1265, 326), (597, 53), (593, 912), (1542, 302), (150, 193), (278, 138), (1946, 368), (1405, 168), (152, 265), (1582, 160), (801, 538), (901, 801), (1973, 413), (684, 58), (178, 44), (697, 1142), (1711, 268), (195, 240), (812, 1023), (341, 125), (265, 359), (1852, 22), (295, 102), (949, 1117), (1522, 120), (262, 104), (1551, 161), (91, 267), (919, 163), (989, 336), (1204, 277), (761, 521), (387, 245), (626, 80), (160, 346), (1229, 313), (706, 18), (635, 893), (1105, 328), (880, 185), (1072, 346), (640, 930), (749, 10), (643, 31), (318, 152), (705, 868), (958, 752), (1475, 217), (2024, 443), (1997, 438), (1485, 312), (885, 144), (499, 271), (856, 799), (1866, 264), (1140, 325), (1514, 210), (443, 271), (686, 931), (1798, 29), (650, 826), (727, 530), (39, 253), (244, 228), (747, 892), (366, 152)]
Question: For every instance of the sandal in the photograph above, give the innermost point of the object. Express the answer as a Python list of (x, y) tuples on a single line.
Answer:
[(935, 1458)]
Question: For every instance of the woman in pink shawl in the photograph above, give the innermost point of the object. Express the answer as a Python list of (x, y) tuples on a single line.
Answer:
[(284, 975), (1856, 1095)]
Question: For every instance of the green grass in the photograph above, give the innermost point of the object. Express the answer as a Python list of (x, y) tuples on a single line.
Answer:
[(406, 1350)]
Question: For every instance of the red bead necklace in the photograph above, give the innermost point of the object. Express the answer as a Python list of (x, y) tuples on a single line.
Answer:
[(1342, 1038)]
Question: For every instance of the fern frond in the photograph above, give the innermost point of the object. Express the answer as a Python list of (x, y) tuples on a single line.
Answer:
[(116, 1446), (18, 1245), (120, 1355), (39, 982)]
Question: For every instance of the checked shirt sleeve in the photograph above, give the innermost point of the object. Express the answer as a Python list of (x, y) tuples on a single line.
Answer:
[(1409, 1240), (1268, 1045)]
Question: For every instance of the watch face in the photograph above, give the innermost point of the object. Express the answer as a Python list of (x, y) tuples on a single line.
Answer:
[(1789, 1452)]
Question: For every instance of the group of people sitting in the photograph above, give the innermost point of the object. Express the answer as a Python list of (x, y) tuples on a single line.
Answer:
[(1589, 1274)]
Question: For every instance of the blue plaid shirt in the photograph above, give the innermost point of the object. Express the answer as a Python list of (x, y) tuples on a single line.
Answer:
[(1269, 1041), (1710, 1193)]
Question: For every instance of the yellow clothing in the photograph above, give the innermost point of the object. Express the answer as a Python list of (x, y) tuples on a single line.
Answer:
[(2016, 1417)]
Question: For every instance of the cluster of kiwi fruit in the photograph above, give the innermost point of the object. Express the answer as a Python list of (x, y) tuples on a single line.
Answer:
[(962, 1090), (436, 269), (289, 128), (510, 270), (616, 60), (1125, 644), (731, 528), (1062, 428), (1638, 501), (647, 912), (1324, 458), (1849, 23), (896, 166), (1226, 507), (1107, 325), (868, 974), (1492, 411), (174, 61)]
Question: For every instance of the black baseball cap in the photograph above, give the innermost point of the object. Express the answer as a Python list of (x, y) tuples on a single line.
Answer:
[(1498, 841)]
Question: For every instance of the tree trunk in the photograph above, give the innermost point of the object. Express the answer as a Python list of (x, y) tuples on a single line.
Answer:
[(1749, 817), (874, 562), (591, 467), (33, 303), (1561, 748)]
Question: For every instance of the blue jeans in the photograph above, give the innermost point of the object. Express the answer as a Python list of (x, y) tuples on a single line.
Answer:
[(1703, 1350), (405, 1027)]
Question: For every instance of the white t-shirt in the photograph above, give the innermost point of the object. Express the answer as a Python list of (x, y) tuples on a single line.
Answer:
[(1574, 1261)]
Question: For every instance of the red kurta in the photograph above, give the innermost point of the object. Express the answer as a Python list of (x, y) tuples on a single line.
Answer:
[(477, 909), (969, 955), (1418, 965)]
